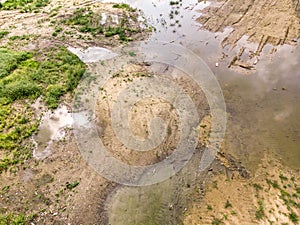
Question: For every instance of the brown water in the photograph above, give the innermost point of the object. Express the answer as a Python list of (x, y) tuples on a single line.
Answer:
[(263, 113), (264, 107)]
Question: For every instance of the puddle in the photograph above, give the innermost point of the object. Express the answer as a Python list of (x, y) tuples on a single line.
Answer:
[(259, 110), (92, 54), (263, 108), (52, 128)]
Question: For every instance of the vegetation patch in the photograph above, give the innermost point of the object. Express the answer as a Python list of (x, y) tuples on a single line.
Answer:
[(14, 219), (85, 20), (3, 33), (124, 6), (260, 213), (24, 77), (24, 5), (72, 185), (22, 37)]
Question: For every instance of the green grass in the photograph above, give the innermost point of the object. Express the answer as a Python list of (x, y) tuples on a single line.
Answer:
[(274, 183), (283, 178), (209, 207), (16, 219), (23, 78), (23, 37), (12, 219), (72, 185), (217, 221), (24, 5), (174, 2), (228, 204), (124, 6), (260, 212), (86, 21), (257, 186), (3, 33), (293, 217)]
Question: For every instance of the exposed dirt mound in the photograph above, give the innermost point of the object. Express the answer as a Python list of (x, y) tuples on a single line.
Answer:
[(140, 115), (264, 22)]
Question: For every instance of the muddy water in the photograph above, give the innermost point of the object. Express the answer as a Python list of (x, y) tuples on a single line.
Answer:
[(52, 128), (263, 111), (263, 107)]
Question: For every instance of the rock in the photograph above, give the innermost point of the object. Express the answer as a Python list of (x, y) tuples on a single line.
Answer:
[(255, 61)]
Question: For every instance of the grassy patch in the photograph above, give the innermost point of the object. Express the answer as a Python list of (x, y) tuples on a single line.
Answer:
[(257, 186), (72, 185), (3, 33), (274, 183), (283, 178), (228, 204), (24, 5), (86, 21), (23, 37), (217, 221), (23, 78), (124, 6), (15, 219), (293, 217), (260, 213), (209, 207), (215, 184)]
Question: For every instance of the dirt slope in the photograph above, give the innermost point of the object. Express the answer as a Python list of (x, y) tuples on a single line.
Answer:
[(262, 22)]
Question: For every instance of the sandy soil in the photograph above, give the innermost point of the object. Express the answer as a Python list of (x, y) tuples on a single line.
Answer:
[(142, 112), (233, 199), (260, 22), (41, 188), (62, 188)]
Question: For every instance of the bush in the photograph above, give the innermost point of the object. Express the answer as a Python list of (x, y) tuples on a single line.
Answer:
[(20, 89)]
